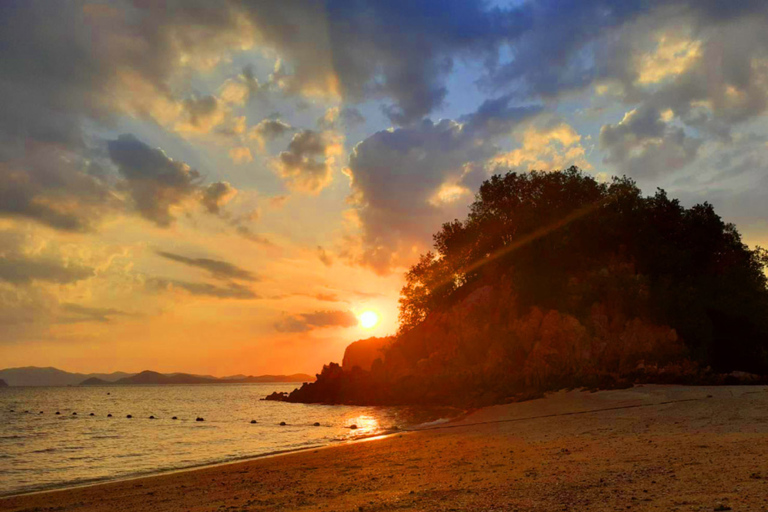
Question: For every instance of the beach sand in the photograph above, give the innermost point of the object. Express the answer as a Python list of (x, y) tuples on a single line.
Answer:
[(645, 448)]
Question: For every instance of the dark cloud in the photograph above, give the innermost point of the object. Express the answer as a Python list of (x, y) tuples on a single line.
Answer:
[(397, 177), (217, 268), (230, 291), (350, 48), (24, 270), (270, 129), (76, 313), (216, 195), (55, 187), (156, 182), (309, 321), (642, 144), (66, 66)]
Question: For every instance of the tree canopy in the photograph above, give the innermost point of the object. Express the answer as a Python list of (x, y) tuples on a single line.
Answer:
[(551, 233)]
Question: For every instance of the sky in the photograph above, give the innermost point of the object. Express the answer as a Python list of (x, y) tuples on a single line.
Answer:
[(224, 187)]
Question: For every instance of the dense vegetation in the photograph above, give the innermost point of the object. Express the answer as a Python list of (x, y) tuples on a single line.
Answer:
[(556, 280)]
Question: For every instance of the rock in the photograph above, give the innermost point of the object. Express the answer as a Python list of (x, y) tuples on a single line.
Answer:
[(744, 377), (57, 413), (282, 423), (91, 414), (253, 422), (174, 418), (277, 396), (353, 426), (41, 412), (151, 417), (109, 415), (199, 419), (74, 414), (129, 416), (316, 424)]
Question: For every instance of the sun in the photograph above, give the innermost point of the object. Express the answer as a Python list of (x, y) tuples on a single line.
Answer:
[(368, 319)]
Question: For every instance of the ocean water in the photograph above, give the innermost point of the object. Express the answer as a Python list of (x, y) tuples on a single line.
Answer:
[(41, 450)]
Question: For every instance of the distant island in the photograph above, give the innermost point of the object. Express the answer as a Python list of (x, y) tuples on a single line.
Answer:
[(150, 377), (35, 376), (554, 281)]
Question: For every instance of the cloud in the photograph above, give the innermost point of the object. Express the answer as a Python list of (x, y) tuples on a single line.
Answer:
[(230, 291), (24, 263), (55, 187), (76, 313), (348, 50), (156, 182), (269, 129), (319, 319), (216, 195), (545, 148), (217, 268), (201, 115), (306, 165), (642, 144), (397, 177), (324, 257), (24, 270)]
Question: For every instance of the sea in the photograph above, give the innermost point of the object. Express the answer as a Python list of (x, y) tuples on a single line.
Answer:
[(82, 444)]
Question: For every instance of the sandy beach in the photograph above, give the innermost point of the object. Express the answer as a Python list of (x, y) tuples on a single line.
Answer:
[(646, 448)]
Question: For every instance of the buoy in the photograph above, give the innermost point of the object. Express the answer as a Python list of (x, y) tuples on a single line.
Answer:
[(174, 418), (12, 410), (74, 414), (317, 424), (57, 413), (27, 412), (253, 421), (282, 423), (151, 417), (353, 426), (41, 412), (91, 414), (199, 419), (109, 415), (129, 416)]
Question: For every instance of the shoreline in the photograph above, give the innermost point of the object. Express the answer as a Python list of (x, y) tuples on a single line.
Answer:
[(647, 447), (334, 443)]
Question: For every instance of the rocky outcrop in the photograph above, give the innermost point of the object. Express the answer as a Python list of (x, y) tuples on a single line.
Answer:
[(3, 384), (363, 353)]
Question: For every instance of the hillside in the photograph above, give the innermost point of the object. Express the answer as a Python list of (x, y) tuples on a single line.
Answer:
[(555, 281), (155, 378), (35, 376)]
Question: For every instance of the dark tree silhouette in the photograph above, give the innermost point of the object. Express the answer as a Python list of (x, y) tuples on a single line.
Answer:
[(556, 280), (546, 230)]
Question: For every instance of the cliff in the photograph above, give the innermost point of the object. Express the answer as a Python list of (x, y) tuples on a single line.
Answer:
[(363, 353)]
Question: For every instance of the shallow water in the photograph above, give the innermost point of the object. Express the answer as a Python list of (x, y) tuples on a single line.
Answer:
[(44, 450)]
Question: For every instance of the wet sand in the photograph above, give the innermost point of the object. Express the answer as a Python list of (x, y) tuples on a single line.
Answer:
[(646, 448)]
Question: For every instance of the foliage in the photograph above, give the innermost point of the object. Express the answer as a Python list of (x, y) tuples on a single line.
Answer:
[(548, 231)]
